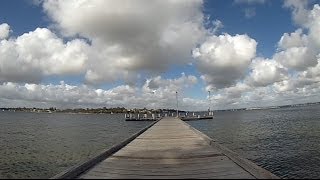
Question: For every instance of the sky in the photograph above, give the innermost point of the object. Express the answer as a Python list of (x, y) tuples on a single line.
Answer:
[(136, 54)]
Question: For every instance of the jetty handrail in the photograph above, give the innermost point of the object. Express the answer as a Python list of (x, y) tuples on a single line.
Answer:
[(255, 170), (83, 166)]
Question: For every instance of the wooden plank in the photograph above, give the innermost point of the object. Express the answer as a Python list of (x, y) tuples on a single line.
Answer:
[(182, 162), (226, 167), (160, 142), (185, 138), (165, 151), (197, 176), (168, 168), (159, 147), (157, 155), (212, 172), (166, 137), (169, 163)]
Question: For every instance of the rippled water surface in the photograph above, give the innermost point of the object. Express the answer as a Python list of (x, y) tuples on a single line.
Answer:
[(284, 141), (40, 145)]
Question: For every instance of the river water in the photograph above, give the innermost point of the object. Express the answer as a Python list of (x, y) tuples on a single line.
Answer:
[(38, 145), (284, 141)]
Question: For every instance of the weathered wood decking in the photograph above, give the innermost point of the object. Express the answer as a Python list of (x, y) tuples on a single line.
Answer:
[(173, 149)]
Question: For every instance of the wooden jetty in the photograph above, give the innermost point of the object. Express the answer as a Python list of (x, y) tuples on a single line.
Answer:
[(169, 148)]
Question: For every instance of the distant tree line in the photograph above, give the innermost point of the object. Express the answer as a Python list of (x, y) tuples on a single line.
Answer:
[(90, 110)]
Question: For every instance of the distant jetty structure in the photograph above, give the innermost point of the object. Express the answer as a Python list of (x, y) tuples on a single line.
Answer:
[(141, 117), (185, 116)]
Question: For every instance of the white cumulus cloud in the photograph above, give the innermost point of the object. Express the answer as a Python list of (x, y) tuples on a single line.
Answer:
[(266, 72), (299, 10), (38, 53), (143, 35), (298, 58), (295, 39), (297, 50), (4, 31), (224, 59)]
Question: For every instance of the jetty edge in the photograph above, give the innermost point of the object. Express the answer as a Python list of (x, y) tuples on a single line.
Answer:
[(168, 148)]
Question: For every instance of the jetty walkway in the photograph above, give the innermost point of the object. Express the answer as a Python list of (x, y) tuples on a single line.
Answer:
[(169, 148)]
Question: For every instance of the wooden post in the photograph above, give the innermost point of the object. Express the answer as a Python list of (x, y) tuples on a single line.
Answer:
[(177, 104)]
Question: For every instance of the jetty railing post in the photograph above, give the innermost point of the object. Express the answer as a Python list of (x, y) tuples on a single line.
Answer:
[(209, 104), (177, 104)]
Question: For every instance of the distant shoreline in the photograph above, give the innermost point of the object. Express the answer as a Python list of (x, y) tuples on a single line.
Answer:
[(144, 110)]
